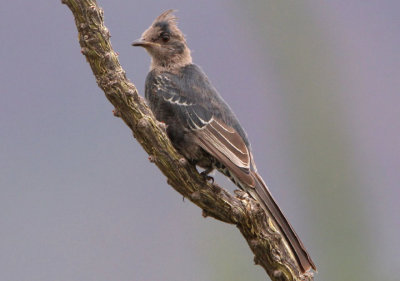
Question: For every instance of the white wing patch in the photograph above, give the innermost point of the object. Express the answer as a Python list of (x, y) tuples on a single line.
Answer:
[(231, 131), (175, 99), (227, 141), (196, 122), (163, 83), (228, 153)]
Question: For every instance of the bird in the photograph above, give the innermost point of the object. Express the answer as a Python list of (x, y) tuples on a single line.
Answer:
[(201, 125)]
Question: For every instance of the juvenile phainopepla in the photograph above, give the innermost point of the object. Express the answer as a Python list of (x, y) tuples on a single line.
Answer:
[(201, 126)]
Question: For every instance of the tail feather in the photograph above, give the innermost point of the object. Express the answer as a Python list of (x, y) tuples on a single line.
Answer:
[(262, 194)]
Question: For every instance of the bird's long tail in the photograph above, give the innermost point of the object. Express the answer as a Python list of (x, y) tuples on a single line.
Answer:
[(264, 197)]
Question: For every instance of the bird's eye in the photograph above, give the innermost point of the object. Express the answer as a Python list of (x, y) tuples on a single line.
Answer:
[(165, 36)]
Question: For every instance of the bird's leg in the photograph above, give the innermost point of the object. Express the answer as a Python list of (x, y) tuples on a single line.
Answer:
[(206, 172)]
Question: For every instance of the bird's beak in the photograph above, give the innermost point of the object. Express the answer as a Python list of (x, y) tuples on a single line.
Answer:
[(141, 43)]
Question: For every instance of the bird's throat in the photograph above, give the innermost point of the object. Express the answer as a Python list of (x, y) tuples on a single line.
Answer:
[(171, 63)]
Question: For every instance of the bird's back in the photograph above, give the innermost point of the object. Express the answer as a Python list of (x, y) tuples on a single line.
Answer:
[(187, 88)]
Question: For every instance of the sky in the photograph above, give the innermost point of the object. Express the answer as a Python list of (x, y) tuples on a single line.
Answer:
[(315, 85)]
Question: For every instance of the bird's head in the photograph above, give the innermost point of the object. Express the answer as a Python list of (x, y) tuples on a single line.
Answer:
[(165, 43)]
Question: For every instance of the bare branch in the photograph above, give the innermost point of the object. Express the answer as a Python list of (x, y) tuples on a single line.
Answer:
[(265, 241)]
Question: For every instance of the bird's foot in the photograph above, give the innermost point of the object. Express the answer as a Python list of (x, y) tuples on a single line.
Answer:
[(208, 178)]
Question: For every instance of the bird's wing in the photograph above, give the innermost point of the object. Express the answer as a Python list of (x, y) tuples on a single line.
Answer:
[(221, 141), (228, 147), (216, 137)]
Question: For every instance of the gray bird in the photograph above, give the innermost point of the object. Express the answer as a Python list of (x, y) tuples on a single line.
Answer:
[(201, 126)]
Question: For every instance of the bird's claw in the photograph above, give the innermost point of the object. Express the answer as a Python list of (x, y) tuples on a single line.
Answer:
[(208, 178)]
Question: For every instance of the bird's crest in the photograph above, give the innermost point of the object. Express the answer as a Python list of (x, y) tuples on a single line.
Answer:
[(167, 16), (167, 21)]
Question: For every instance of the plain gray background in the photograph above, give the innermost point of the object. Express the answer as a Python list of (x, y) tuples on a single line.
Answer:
[(315, 84)]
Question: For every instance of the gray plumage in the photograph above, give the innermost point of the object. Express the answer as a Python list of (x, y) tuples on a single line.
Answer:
[(200, 124)]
